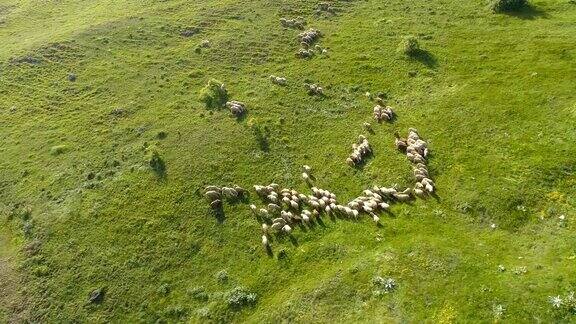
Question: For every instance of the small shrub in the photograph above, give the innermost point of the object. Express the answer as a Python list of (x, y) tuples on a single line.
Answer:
[(240, 297), (383, 286), (214, 94), (164, 289), (409, 46), (198, 293), (58, 149), (96, 296), (507, 5), (222, 276), (156, 162)]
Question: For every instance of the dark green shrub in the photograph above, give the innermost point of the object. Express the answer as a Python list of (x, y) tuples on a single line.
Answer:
[(214, 94), (240, 297), (156, 162), (507, 5), (58, 149), (409, 46)]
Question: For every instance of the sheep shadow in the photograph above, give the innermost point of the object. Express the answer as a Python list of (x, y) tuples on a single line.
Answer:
[(360, 166), (528, 12), (425, 57), (219, 214)]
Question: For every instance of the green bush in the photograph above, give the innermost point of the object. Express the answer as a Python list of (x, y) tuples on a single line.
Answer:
[(507, 5), (58, 149), (409, 46), (156, 162), (214, 94), (239, 297)]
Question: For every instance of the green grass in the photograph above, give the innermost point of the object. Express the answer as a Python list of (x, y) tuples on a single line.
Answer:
[(82, 208)]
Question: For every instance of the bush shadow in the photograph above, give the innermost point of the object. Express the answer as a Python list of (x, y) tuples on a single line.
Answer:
[(425, 57), (528, 12)]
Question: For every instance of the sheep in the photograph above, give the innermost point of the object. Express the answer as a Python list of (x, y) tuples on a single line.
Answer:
[(287, 229), (229, 193), (212, 188), (265, 242), (294, 204), (216, 204), (359, 151), (306, 177), (325, 7), (375, 218), (278, 80), (304, 53), (236, 107), (383, 113), (264, 213), (274, 208), (254, 209), (310, 36), (212, 195), (276, 226), (402, 197), (400, 143), (314, 89), (265, 228), (297, 23), (367, 126)]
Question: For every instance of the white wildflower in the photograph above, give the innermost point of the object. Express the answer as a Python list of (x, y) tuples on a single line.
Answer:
[(556, 301)]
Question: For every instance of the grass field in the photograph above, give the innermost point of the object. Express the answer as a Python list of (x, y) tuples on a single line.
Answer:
[(81, 210)]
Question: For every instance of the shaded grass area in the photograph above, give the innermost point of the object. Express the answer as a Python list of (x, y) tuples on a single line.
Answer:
[(91, 212)]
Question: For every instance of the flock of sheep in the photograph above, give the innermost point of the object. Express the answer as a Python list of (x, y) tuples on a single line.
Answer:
[(285, 207), (307, 40), (215, 195), (360, 150)]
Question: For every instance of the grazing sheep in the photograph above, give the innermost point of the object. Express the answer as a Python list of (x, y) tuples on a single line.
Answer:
[(297, 23), (254, 209), (310, 36), (287, 229), (383, 113), (265, 242), (216, 204), (264, 213), (212, 188), (294, 204), (367, 126), (212, 195), (278, 80), (305, 53), (359, 151), (325, 7), (276, 226), (229, 193), (273, 208), (314, 89), (236, 107), (402, 197), (400, 143)]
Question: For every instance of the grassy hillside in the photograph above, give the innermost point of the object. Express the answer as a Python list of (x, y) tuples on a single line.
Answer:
[(89, 88)]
